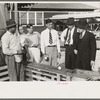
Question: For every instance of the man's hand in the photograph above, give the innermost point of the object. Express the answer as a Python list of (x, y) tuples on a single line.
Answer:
[(92, 63), (75, 51), (46, 57), (59, 55), (19, 52)]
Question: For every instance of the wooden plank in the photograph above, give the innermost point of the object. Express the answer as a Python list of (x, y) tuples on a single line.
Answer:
[(4, 73), (58, 77), (4, 79), (44, 75), (86, 72), (40, 78), (3, 67), (46, 68), (37, 72), (78, 79)]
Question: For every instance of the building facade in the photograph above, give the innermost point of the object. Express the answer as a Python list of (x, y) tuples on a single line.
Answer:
[(36, 13)]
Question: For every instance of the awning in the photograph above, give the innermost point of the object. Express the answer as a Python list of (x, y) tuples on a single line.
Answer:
[(77, 16)]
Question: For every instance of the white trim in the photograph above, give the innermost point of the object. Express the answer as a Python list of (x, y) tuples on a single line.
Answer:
[(27, 15), (27, 18), (35, 19), (43, 18)]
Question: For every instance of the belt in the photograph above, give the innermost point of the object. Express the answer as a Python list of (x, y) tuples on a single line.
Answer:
[(33, 46), (51, 46), (68, 45)]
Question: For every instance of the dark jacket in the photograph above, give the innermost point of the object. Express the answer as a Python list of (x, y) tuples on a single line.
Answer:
[(86, 51), (75, 37)]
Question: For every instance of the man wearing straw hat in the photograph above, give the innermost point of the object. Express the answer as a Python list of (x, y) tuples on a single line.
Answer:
[(12, 49), (86, 48)]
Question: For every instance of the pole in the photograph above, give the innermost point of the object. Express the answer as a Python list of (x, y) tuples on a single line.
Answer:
[(16, 17)]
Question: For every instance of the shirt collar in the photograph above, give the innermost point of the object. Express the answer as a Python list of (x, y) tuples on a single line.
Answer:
[(83, 32), (28, 34), (72, 28), (9, 33), (48, 29)]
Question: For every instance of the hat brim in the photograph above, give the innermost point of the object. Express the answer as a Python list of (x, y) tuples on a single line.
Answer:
[(81, 26), (11, 26), (70, 23)]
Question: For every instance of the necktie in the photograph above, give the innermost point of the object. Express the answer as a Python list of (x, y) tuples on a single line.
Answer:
[(50, 38), (69, 37), (80, 35)]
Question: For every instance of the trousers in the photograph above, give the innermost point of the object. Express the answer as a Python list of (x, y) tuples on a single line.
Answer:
[(52, 53), (34, 54), (12, 69), (69, 57)]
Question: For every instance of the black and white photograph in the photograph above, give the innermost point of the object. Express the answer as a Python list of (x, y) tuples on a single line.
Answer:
[(50, 42)]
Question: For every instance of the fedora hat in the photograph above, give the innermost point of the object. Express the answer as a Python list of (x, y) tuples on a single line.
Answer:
[(70, 21), (10, 23), (82, 24)]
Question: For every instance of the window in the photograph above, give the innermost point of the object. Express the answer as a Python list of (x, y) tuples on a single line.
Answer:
[(31, 18), (23, 18), (34, 18)]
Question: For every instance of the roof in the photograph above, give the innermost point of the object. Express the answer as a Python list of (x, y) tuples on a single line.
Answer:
[(59, 6), (64, 6), (66, 16)]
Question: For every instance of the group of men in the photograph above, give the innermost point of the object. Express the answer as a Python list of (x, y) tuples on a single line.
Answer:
[(79, 43)]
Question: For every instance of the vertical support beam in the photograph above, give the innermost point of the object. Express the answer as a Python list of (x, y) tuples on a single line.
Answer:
[(58, 77), (16, 17)]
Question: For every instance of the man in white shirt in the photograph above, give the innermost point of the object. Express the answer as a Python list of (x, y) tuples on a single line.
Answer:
[(12, 49), (33, 44), (69, 37), (50, 45)]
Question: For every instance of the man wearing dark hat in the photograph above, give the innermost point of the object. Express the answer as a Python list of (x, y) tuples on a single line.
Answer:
[(69, 37), (50, 45), (12, 48), (86, 48)]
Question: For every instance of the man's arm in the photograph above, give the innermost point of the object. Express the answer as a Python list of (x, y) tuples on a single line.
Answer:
[(58, 47), (92, 46), (92, 50), (42, 43), (5, 47)]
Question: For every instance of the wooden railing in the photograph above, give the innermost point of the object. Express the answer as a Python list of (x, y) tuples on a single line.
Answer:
[(40, 72)]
